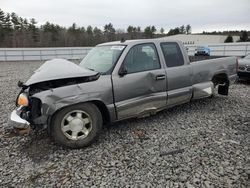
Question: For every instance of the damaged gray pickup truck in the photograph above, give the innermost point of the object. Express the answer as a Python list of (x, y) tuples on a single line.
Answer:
[(115, 81)]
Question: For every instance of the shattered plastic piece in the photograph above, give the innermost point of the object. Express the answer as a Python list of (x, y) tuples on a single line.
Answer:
[(138, 134), (171, 152), (24, 131)]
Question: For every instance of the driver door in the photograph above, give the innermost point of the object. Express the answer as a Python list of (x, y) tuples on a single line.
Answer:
[(141, 89)]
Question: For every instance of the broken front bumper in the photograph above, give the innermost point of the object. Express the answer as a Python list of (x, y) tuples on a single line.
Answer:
[(17, 121)]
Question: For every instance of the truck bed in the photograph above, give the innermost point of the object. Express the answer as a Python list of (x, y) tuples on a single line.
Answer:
[(200, 58), (204, 70)]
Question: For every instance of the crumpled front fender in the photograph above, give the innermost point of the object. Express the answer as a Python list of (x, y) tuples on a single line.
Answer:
[(56, 99)]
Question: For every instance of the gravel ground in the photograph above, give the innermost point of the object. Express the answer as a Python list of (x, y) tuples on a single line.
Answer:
[(204, 143)]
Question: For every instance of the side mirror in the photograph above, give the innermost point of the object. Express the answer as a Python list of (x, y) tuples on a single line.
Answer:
[(123, 71)]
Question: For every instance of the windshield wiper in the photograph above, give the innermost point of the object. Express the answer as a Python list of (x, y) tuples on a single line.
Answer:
[(91, 69)]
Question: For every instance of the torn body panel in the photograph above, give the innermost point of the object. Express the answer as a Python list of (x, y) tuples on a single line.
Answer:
[(203, 90)]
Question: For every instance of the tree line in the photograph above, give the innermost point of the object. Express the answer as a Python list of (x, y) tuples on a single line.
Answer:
[(16, 31), (243, 34)]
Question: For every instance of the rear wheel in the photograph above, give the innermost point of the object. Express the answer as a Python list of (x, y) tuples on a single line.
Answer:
[(222, 82), (76, 126)]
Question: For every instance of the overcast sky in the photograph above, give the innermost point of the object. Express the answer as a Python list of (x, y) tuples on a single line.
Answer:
[(202, 15)]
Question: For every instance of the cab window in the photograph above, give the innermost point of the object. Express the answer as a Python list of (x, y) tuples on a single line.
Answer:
[(141, 57), (172, 54)]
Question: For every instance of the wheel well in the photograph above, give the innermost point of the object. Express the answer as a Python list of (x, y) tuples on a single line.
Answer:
[(100, 105), (220, 79), (103, 109), (223, 83)]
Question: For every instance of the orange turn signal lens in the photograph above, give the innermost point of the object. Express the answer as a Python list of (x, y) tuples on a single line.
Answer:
[(22, 100)]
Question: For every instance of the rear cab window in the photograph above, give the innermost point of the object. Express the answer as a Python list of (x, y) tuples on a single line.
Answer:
[(172, 54)]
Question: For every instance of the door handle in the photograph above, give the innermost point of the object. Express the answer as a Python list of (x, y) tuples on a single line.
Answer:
[(160, 77)]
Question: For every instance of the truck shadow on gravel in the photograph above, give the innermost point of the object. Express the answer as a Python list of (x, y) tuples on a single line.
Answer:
[(245, 82), (39, 146)]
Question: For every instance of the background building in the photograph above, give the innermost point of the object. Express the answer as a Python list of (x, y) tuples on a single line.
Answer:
[(201, 39)]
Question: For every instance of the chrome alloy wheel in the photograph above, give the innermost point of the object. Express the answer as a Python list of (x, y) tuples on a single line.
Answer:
[(76, 125)]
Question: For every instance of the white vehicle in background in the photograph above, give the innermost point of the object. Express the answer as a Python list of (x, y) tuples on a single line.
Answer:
[(244, 68)]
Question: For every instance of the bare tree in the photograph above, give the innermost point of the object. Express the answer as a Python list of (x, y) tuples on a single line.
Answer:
[(162, 31), (188, 29), (182, 29), (149, 31), (109, 31)]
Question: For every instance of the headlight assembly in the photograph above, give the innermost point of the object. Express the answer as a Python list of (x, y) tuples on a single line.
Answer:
[(23, 100)]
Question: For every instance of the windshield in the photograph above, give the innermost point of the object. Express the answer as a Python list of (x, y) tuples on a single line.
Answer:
[(102, 58)]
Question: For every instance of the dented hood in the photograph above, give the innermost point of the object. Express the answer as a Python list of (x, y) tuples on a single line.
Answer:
[(58, 69)]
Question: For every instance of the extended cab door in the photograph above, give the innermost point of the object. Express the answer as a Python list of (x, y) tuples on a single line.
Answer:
[(140, 85), (179, 74)]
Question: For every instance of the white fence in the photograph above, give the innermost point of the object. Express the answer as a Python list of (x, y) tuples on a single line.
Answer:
[(224, 49), (24, 54)]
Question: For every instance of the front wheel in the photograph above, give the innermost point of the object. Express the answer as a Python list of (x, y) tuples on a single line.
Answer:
[(76, 126)]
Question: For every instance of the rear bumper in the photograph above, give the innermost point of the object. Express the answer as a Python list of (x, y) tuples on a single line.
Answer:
[(17, 121)]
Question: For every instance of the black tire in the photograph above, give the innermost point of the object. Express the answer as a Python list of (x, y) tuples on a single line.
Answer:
[(96, 125), (237, 79)]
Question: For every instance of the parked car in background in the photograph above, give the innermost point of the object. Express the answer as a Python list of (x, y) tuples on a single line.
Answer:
[(116, 81), (202, 51), (244, 68)]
